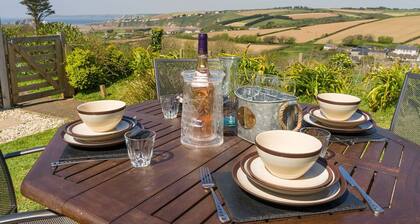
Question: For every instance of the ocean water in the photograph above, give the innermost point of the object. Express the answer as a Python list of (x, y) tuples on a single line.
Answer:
[(75, 20)]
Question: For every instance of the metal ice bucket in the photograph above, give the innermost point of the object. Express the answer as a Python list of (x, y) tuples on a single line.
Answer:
[(261, 109)]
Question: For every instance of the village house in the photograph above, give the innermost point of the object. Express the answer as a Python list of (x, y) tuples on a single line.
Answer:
[(330, 47), (405, 53)]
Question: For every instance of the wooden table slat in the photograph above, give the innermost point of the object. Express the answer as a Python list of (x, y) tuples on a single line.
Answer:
[(382, 188), (374, 151), (393, 153), (156, 202), (178, 206), (363, 177), (355, 151)]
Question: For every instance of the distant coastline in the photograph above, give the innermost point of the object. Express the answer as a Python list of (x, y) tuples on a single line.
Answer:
[(75, 20)]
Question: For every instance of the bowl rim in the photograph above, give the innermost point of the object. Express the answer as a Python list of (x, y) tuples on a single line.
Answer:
[(122, 107), (356, 102), (289, 155)]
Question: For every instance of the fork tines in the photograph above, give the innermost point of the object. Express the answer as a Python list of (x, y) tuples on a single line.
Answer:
[(205, 175)]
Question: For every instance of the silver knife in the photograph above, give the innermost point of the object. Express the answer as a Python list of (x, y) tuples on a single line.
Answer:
[(372, 204)]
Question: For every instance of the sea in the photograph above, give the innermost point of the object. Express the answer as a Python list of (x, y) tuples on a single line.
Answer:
[(75, 20)]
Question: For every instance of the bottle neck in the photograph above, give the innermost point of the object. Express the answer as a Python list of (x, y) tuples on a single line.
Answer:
[(202, 63)]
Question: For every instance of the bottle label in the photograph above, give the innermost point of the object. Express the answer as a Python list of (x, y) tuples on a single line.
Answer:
[(200, 80)]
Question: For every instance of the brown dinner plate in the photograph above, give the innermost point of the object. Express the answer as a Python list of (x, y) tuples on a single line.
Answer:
[(291, 187), (368, 125), (327, 195), (72, 129)]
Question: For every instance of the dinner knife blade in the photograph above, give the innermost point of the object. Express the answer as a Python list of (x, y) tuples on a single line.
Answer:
[(347, 176), (377, 209)]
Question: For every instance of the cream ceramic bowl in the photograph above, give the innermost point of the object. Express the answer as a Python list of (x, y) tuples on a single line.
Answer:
[(287, 154), (337, 106), (102, 115)]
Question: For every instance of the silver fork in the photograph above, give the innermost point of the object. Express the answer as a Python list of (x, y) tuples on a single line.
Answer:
[(207, 183)]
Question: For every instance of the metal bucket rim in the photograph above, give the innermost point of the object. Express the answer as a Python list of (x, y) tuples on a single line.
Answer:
[(264, 102)]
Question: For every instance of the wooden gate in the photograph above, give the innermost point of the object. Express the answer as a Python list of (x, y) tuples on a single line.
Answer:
[(36, 68)]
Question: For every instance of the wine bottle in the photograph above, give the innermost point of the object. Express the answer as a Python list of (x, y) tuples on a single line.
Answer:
[(202, 93)]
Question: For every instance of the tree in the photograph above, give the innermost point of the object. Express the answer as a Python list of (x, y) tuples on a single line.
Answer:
[(385, 39), (38, 9)]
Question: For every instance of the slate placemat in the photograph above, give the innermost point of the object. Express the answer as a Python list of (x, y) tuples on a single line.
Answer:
[(244, 207), (74, 154)]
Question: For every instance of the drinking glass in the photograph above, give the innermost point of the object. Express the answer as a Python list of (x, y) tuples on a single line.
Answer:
[(140, 146), (170, 106), (322, 135)]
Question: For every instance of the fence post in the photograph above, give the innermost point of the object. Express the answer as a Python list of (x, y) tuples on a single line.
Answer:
[(181, 53), (4, 78), (301, 57), (68, 89)]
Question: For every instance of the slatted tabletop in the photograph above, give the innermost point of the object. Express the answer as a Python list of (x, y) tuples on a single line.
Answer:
[(169, 191)]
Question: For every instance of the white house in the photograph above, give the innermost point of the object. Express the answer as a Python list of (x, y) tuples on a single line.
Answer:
[(406, 50), (330, 47)]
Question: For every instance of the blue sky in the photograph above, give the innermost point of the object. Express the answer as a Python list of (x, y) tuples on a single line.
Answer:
[(12, 8)]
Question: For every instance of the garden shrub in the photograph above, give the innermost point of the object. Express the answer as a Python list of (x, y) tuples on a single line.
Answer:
[(251, 66), (141, 85), (87, 69), (115, 65), (82, 69), (386, 85), (311, 79), (157, 34), (71, 33)]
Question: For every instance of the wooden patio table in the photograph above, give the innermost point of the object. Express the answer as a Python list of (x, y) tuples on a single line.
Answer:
[(169, 190)]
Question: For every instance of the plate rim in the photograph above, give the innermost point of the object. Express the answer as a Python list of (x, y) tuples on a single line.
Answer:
[(337, 130), (340, 124), (341, 191), (69, 126), (92, 145), (332, 179)]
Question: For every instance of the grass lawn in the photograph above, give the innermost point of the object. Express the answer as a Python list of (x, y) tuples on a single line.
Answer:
[(114, 92), (20, 166)]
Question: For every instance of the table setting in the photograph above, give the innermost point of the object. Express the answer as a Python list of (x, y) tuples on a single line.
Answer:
[(287, 171)]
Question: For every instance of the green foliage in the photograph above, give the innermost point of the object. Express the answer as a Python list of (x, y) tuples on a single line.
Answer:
[(311, 79), (87, 69), (157, 34), (279, 40), (386, 85), (72, 34), (357, 40), (251, 66), (385, 39), (141, 85), (115, 65), (341, 61), (38, 10), (16, 30), (82, 69)]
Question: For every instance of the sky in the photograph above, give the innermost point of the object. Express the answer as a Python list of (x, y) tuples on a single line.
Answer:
[(12, 8)]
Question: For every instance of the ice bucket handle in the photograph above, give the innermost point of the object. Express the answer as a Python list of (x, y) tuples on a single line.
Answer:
[(282, 109)]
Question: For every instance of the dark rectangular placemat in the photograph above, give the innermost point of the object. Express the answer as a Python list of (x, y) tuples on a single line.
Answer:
[(74, 155), (246, 208)]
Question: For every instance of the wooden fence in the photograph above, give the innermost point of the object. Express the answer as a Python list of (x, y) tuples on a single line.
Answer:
[(35, 67)]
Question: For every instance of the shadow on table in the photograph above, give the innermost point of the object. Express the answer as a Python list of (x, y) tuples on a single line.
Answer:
[(161, 156)]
